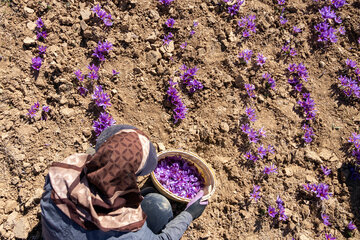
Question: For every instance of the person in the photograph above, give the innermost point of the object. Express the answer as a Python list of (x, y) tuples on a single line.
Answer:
[(96, 196)]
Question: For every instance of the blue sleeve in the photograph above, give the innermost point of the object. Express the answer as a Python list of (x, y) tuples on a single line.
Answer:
[(57, 226)]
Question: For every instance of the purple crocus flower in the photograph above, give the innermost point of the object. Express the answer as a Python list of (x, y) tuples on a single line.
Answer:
[(271, 169), (170, 22), (260, 60), (325, 219), (79, 75), (283, 20), (167, 38), (104, 121), (350, 63), (184, 45), (325, 170), (45, 108), (256, 193), (114, 72), (42, 50), (329, 237), (101, 98), (351, 226), (39, 23), (281, 2), (246, 55), (165, 2), (272, 211), (250, 112), (342, 30), (262, 152), (296, 29), (83, 91), (36, 63)]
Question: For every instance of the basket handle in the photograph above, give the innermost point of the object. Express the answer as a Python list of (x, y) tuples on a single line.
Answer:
[(207, 196)]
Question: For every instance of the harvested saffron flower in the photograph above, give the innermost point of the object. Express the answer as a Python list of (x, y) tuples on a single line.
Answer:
[(170, 22), (179, 176), (36, 63)]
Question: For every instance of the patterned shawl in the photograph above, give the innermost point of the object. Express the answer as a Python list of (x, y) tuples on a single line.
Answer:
[(100, 191)]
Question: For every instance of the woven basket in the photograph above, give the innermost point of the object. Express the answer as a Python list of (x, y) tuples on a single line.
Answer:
[(206, 172)]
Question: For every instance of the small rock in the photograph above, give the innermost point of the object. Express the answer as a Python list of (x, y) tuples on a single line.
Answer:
[(167, 48), (29, 10), (67, 112), (85, 14), (152, 37), (31, 26), (10, 206), (154, 15), (288, 172), (224, 127), (10, 222), (38, 167), (152, 57), (310, 179), (232, 37), (223, 160), (303, 237), (21, 228), (83, 25), (66, 21), (321, 64), (161, 147), (325, 154), (311, 155), (29, 41), (91, 151), (38, 194)]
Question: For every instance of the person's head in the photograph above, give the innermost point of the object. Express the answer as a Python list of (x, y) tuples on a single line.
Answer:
[(149, 161)]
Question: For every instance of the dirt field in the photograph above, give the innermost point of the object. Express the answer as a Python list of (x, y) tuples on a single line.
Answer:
[(215, 113)]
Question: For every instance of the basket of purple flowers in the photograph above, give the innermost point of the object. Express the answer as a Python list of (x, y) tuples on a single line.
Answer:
[(180, 175)]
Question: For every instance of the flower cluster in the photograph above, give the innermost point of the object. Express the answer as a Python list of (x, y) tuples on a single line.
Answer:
[(250, 89), (260, 60), (308, 133), (355, 139), (252, 134), (270, 80), (179, 176), (37, 61), (104, 121), (180, 109), (250, 112), (101, 98), (41, 33), (288, 51), (247, 24), (338, 3), (256, 193), (167, 38), (326, 32), (351, 226), (350, 86), (165, 2), (35, 108), (103, 15), (327, 13), (326, 170), (308, 105), (234, 8), (246, 55), (297, 72), (188, 78), (280, 205), (321, 190), (102, 50)]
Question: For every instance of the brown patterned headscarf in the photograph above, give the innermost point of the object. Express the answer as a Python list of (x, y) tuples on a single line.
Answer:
[(100, 191)]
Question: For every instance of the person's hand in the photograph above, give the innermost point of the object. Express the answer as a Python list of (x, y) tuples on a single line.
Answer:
[(196, 206)]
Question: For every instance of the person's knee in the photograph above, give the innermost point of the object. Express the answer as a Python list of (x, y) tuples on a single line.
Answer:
[(155, 202)]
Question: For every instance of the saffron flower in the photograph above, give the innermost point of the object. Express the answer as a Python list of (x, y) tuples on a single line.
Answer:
[(167, 38), (249, 156), (33, 110), (234, 9), (101, 98), (325, 219), (82, 91), (272, 211), (103, 15), (329, 237), (245, 55), (41, 35), (42, 50), (45, 110), (351, 226), (170, 22), (308, 133), (283, 20), (184, 45), (325, 170), (296, 29), (260, 60), (338, 3), (165, 2), (262, 152), (79, 75), (102, 49), (321, 190), (350, 63), (256, 193), (250, 90), (248, 25), (180, 109), (39, 23), (114, 72), (271, 169), (308, 105), (188, 78), (270, 80), (281, 2), (250, 112), (327, 13), (104, 121), (326, 32), (93, 74), (36, 63), (342, 30)]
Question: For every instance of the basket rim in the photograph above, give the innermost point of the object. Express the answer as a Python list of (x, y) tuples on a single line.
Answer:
[(173, 196)]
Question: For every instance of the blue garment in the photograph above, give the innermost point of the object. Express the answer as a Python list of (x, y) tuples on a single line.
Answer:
[(57, 226)]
